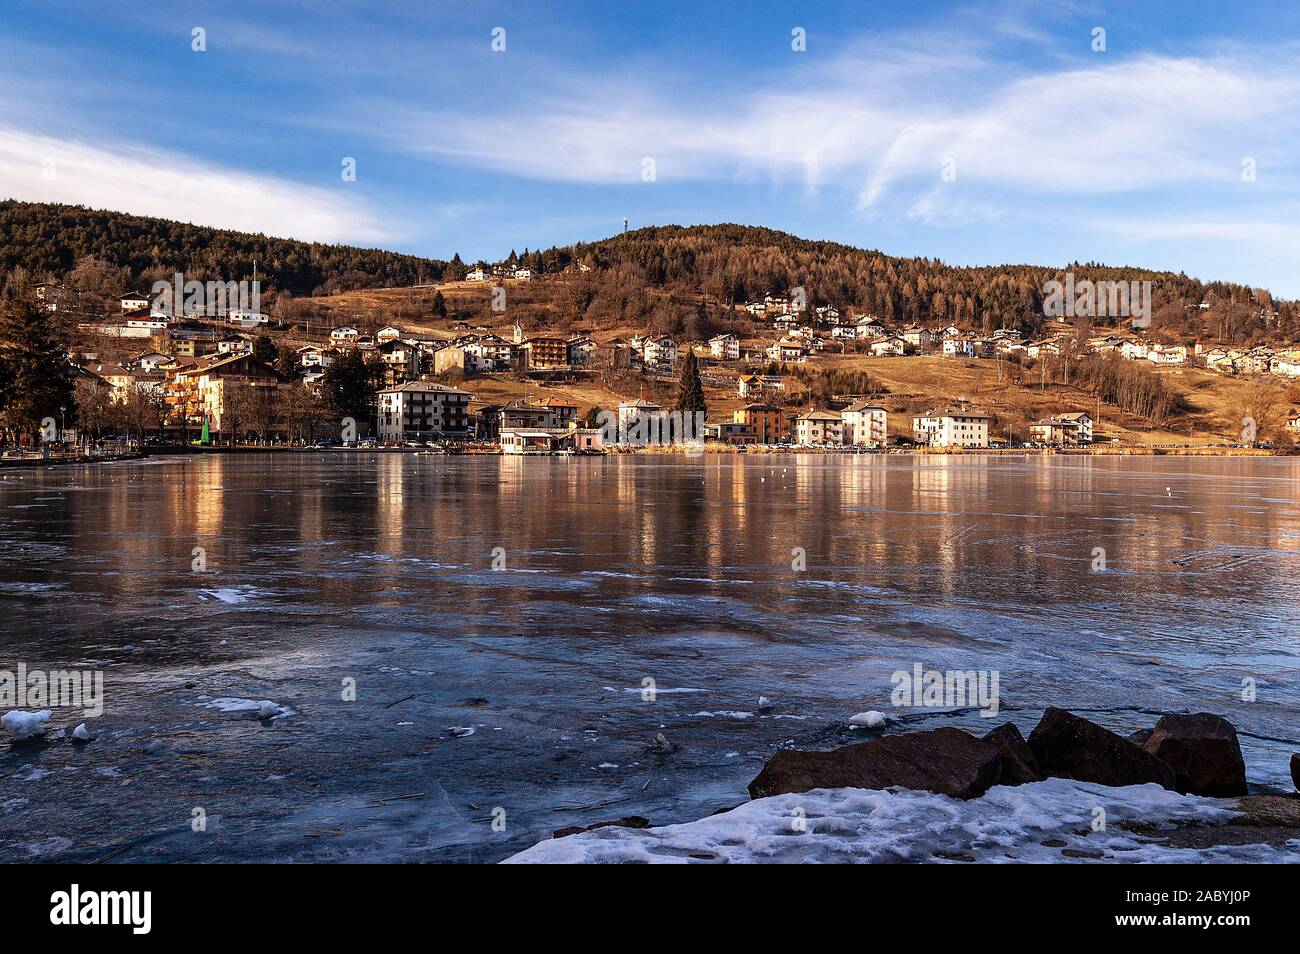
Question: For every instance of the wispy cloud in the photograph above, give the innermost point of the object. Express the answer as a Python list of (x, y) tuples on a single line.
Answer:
[(149, 182), (878, 128)]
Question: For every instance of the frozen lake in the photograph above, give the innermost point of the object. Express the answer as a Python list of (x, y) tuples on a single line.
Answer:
[(333, 569)]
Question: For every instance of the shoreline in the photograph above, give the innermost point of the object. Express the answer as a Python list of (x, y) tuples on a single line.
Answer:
[(1074, 792), (678, 450)]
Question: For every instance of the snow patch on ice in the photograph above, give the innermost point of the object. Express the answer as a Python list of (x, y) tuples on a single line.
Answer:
[(726, 714), (232, 595), (264, 708), (24, 725), (871, 720)]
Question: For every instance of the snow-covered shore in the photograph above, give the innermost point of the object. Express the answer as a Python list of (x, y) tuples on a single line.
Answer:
[(1051, 821)]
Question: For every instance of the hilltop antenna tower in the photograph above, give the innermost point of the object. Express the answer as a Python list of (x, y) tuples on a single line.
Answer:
[(625, 225)]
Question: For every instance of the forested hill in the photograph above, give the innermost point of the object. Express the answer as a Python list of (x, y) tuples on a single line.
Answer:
[(727, 263), (737, 263), (49, 240)]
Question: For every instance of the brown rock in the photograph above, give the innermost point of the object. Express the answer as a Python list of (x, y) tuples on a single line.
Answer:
[(1068, 746), (945, 761), (1202, 750), (1264, 820), (1140, 736), (1018, 763), (630, 821)]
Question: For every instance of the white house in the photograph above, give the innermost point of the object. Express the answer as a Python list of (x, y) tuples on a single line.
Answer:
[(1135, 350), (1287, 365), (1167, 354), (313, 356), (918, 337), (492, 352), (782, 351), (150, 323), (134, 301), (234, 344), (725, 347), (818, 427), (477, 274), (345, 333), (869, 326), (630, 412), (659, 350), (754, 383), (888, 347), (421, 410), (582, 351), (959, 347), (951, 427), (865, 424), (150, 361), (1084, 421), (776, 303), (388, 333), (247, 318)]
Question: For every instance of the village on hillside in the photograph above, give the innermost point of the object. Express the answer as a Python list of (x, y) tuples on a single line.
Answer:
[(809, 378)]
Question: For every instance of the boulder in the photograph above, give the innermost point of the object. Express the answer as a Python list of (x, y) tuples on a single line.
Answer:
[(1018, 763), (1068, 746), (629, 821), (1140, 736), (944, 761), (1202, 750)]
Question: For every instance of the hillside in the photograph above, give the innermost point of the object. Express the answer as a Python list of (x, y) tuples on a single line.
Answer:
[(675, 279), (733, 263), (48, 240)]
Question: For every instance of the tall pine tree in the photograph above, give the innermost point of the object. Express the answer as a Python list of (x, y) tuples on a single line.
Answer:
[(36, 377), (690, 389)]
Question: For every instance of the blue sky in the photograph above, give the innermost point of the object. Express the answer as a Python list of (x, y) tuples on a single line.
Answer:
[(1054, 152)]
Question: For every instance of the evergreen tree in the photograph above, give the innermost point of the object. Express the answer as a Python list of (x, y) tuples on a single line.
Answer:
[(439, 305), (455, 270), (264, 349), (36, 377), (350, 385), (287, 363), (690, 389)]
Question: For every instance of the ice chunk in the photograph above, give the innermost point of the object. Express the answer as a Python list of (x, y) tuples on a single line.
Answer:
[(872, 719), (25, 725)]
